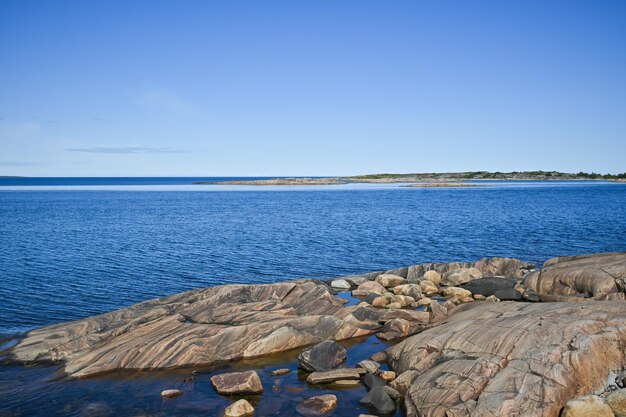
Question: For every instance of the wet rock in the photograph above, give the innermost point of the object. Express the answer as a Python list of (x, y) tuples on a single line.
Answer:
[(510, 294), (397, 328), (316, 406), (322, 357), (530, 295), (331, 376), (489, 285), (198, 328), (171, 393), (379, 357), (368, 287), (379, 401), (549, 351), (372, 381), (389, 281), (369, 366), (281, 371), (340, 284), (247, 382), (433, 276), (239, 408), (456, 292), (588, 406), (96, 409), (617, 401), (460, 276), (600, 276)]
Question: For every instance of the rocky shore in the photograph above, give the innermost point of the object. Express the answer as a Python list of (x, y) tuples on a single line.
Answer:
[(496, 337)]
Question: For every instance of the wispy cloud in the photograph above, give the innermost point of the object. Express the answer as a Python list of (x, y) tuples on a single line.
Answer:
[(125, 150), (164, 100), (19, 164)]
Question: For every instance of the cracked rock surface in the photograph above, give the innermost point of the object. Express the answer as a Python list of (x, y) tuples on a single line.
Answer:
[(510, 359)]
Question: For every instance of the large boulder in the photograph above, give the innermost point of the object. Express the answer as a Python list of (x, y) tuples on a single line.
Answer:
[(508, 358), (322, 357), (199, 328), (460, 276), (599, 276), (247, 382), (390, 280), (239, 408), (588, 406), (368, 287), (617, 402), (489, 285)]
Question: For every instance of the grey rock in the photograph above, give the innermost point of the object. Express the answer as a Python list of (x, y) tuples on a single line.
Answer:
[(378, 401), (510, 294), (530, 295), (369, 366), (489, 285), (372, 381), (247, 382), (322, 357), (171, 393)]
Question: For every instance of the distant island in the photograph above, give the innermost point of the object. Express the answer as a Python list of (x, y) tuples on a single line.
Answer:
[(434, 179)]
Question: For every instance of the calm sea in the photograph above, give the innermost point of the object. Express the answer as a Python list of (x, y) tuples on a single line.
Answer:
[(74, 247)]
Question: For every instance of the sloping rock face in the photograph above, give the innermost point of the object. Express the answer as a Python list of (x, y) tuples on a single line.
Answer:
[(598, 276), (510, 359), (198, 327)]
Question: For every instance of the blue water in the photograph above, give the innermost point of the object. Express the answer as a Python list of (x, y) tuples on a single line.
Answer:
[(67, 251)]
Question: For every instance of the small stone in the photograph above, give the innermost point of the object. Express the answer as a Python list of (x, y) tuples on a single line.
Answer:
[(322, 357), (492, 299), (171, 393), (237, 383), (346, 382), (588, 406), (620, 380), (479, 297), (281, 371), (429, 288), (368, 287), (412, 290), (340, 284), (316, 406), (424, 302), (403, 300), (369, 366), (380, 357), (396, 328), (239, 408), (389, 280), (331, 376), (387, 375), (395, 395), (376, 300), (456, 292), (394, 305), (617, 401), (433, 276)]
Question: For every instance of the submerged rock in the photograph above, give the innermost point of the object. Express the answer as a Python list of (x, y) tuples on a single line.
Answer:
[(316, 406), (171, 393), (198, 328), (239, 408), (322, 357), (247, 382), (550, 352)]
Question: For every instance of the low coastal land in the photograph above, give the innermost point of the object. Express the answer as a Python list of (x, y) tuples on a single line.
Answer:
[(449, 179), (495, 337)]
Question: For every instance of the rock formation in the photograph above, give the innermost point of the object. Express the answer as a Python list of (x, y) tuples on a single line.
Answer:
[(199, 327), (598, 276), (510, 358)]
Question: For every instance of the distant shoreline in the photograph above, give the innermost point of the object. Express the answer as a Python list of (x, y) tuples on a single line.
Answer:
[(449, 179)]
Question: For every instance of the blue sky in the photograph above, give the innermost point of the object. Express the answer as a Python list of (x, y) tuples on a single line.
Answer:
[(197, 88)]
